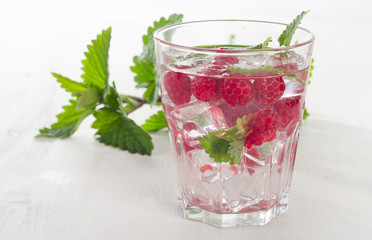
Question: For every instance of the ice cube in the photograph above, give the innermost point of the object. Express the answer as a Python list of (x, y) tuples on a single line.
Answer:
[(196, 120), (207, 169), (293, 88)]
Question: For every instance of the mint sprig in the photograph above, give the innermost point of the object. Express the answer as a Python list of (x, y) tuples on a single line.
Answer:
[(226, 145), (263, 45), (286, 37), (144, 64), (255, 70)]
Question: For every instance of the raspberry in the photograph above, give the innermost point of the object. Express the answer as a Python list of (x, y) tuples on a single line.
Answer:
[(236, 91), (268, 90), (225, 60), (177, 86), (264, 127), (204, 88), (288, 110)]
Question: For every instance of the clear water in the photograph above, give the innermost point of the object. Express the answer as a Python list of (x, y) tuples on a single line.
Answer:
[(221, 194)]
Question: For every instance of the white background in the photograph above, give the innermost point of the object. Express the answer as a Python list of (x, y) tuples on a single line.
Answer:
[(79, 189)]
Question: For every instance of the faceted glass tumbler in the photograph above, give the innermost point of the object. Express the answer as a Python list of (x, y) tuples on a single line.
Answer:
[(234, 109)]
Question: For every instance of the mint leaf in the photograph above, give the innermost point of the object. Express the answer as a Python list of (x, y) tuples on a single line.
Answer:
[(89, 98), (263, 45), (117, 130), (226, 145), (306, 114), (95, 66), (235, 151), (255, 70), (144, 64), (155, 122), (216, 147), (69, 85), (112, 98), (286, 36), (311, 70), (68, 121)]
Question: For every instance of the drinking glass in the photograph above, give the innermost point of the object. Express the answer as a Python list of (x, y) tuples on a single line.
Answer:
[(234, 108)]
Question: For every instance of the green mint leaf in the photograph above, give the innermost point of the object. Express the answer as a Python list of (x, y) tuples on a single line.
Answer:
[(235, 151), (115, 129), (95, 66), (155, 122), (286, 36), (75, 88), (311, 70), (263, 45), (255, 70), (231, 134), (190, 60), (150, 92), (68, 121), (144, 70), (216, 147), (144, 64), (89, 98), (306, 114), (226, 145), (111, 100)]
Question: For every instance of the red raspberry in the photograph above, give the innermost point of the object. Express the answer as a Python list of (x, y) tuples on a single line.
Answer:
[(225, 60), (204, 88), (288, 110), (268, 90), (236, 91), (177, 86), (264, 127)]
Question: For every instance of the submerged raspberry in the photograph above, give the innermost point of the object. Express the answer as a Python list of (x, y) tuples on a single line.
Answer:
[(288, 111), (204, 88), (177, 86), (268, 90), (236, 91), (264, 127)]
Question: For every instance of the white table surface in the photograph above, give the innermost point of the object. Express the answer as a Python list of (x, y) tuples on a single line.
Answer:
[(77, 188)]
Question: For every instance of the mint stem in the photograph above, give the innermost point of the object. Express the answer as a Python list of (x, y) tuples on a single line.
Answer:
[(139, 102)]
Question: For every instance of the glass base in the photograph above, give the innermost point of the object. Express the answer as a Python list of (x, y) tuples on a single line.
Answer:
[(260, 217)]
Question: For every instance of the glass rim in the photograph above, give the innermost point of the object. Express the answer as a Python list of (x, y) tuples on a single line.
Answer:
[(277, 49)]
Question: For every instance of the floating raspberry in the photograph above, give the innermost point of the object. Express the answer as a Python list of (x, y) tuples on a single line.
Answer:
[(288, 110), (236, 91), (268, 90), (225, 60), (177, 86), (264, 127), (204, 88)]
